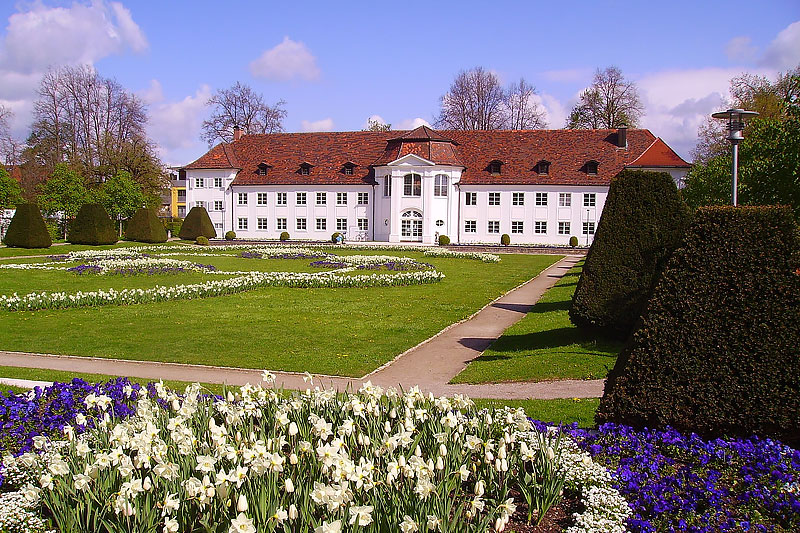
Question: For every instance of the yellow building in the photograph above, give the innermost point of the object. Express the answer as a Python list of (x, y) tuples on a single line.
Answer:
[(178, 190)]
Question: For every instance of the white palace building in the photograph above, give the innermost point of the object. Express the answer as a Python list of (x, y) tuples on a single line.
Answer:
[(538, 186)]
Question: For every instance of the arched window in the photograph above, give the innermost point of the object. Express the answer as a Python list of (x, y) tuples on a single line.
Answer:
[(411, 226), (440, 185), (412, 185)]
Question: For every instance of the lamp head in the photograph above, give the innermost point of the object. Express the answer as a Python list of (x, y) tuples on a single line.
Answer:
[(736, 119)]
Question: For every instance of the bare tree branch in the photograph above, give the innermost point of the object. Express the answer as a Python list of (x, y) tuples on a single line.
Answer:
[(241, 106), (522, 110), (611, 101)]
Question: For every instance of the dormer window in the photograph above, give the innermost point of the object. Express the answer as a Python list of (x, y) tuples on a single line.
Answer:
[(494, 167), (347, 168), (543, 167), (305, 169), (591, 168), (262, 169)]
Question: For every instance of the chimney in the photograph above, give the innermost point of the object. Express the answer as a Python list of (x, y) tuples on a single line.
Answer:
[(622, 136), (237, 133)]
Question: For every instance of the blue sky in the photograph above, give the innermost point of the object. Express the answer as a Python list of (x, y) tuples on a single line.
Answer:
[(338, 63)]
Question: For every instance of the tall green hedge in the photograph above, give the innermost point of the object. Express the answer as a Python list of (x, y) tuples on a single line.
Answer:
[(92, 225), (718, 350), (145, 226), (197, 223), (27, 229), (642, 223)]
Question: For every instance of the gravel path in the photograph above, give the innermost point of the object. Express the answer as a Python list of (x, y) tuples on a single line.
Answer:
[(429, 365)]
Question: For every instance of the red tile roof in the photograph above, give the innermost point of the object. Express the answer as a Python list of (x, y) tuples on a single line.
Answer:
[(659, 154), (519, 150)]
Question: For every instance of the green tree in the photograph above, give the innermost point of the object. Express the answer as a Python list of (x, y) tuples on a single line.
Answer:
[(612, 101), (10, 191), (121, 196), (64, 192)]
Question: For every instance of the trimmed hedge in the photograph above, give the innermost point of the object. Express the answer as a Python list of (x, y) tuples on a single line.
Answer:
[(27, 229), (145, 226), (444, 240), (230, 235), (718, 350), (92, 225), (505, 240), (642, 223), (197, 223), (284, 236)]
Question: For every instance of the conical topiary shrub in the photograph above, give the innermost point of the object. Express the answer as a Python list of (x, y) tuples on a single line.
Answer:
[(197, 223), (144, 226), (642, 223), (718, 349), (92, 225), (27, 229)]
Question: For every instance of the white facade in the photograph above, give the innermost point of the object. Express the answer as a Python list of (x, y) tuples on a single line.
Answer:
[(424, 201)]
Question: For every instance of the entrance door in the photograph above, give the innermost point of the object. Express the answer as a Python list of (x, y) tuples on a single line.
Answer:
[(411, 226)]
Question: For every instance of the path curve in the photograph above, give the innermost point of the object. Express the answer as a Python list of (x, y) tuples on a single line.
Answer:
[(429, 365)]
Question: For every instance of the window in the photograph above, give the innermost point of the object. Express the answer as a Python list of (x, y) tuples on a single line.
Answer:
[(591, 167), (341, 198), (182, 195), (518, 198), (217, 205), (471, 198), (218, 183), (543, 167), (262, 170), (305, 169), (440, 185), (218, 225), (564, 199), (261, 198), (322, 198), (516, 226), (387, 186), (261, 223), (241, 198), (242, 223), (411, 226), (412, 185), (281, 198), (588, 228), (540, 226), (348, 169), (470, 226), (440, 223), (300, 198), (363, 198), (541, 198), (280, 224), (494, 167), (589, 199), (494, 198), (322, 224), (200, 204), (181, 211), (341, 224), (363, 224), (199, 183), (563, 228), (494, 226), (301, 224)]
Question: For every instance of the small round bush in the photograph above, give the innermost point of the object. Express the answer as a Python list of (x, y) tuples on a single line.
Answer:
[(230, 235), (444, 240), (202, 240), (334, 237), (285, 236), (573, 241), (505, 240)]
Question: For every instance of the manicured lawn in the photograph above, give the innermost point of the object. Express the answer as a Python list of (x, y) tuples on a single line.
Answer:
[(544, 345), (59, 249), (342, 331)]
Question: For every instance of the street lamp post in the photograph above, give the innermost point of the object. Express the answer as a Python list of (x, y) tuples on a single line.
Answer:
[(735, 118)]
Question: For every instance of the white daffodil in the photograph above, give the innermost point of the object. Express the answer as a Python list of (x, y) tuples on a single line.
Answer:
[(241, 524)]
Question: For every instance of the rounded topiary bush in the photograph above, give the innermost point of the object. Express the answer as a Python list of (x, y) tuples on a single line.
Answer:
[(197, 223), (201, 240), (573, 241), (642, 223), (334, 237), (93, 226), (230, 235), (145, 226), (27, 229), (505, 239), (718, 349), (444, 240), (285, 236)]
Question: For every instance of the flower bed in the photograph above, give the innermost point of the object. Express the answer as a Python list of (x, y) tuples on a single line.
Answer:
[(320, 461)]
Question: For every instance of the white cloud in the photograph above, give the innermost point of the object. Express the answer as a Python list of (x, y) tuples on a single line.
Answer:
[(741, 49), (81, 33), (411, 123), (286, 61), (175, 125), (572, 75), (554, 111), (784, 51), (153, 94), (326, 124)]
